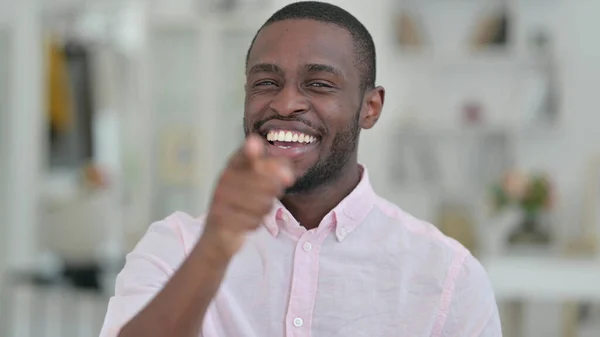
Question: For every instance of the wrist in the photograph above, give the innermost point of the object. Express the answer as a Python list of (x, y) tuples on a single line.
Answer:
[(216, 249)]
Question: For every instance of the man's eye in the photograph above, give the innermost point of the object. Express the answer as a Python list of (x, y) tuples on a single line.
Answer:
[(319, 85), (264, 83)]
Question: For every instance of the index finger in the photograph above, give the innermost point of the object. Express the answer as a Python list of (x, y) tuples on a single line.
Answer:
[(252, 150)]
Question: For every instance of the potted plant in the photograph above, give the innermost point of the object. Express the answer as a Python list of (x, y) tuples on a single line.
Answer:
[(533, 194)]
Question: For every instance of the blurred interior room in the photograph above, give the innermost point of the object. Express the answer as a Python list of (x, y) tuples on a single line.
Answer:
[(116, 113)]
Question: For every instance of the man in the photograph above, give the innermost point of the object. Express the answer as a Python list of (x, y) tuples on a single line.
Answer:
[(296, 242)]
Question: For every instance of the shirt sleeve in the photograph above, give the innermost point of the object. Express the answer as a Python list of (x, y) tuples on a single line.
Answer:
[(147, 269), (473, 311)]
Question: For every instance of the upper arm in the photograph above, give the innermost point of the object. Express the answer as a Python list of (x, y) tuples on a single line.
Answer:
[(147, 269), (472, 311)]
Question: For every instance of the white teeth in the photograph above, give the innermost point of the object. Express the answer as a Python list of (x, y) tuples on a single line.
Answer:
[(289, 136)]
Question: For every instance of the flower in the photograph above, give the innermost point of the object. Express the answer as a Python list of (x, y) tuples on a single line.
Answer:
[(515, 184), (531, 193), (94, 176)]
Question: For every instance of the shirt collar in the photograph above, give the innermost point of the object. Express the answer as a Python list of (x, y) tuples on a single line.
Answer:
[(345, 217)]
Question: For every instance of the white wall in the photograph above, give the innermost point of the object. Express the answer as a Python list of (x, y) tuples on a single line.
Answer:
[(4, 95), (23, 127)]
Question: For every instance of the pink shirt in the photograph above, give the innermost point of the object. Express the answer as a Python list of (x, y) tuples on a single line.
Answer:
[(369, 270)]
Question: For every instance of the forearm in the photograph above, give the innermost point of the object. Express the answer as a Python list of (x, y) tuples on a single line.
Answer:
[(178, 310)]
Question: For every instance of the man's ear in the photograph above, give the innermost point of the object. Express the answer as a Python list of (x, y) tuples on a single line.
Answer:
[(373, 100)]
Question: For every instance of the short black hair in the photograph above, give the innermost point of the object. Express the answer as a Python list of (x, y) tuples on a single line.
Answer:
[(324, 12)]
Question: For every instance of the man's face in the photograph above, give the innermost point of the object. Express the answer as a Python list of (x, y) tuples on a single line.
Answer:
[(303, 95)]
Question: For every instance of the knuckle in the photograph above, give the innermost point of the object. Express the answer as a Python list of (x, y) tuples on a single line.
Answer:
[(274, 187), (218, 210)]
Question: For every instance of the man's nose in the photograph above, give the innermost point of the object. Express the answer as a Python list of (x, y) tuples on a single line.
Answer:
[(289, 101)]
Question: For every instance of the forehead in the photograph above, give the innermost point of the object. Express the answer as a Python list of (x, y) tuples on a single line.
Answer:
[(290, 44)]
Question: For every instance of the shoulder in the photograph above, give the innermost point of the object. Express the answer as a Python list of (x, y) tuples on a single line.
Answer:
[(434, 256), (177, 228), (418, 233), (159, 252), (467, 294), (444, 257)]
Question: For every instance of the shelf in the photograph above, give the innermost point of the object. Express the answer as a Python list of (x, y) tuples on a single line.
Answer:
[(541, 130), (466, 131), (475, 63), (543, 278), (60, 184)]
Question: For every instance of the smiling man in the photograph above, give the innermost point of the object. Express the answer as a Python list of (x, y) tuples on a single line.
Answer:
[(296, 242)]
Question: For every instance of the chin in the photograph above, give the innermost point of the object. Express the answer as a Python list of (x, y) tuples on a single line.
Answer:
[(300, 169)]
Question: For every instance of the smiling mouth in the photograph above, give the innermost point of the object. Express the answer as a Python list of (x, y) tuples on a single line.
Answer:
[(290, 144), (286, 139)]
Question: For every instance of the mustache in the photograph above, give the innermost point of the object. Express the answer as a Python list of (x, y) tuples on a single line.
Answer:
[(262, 122)]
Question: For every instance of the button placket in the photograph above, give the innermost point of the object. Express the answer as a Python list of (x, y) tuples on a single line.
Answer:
[(307, 246), (304, 284)]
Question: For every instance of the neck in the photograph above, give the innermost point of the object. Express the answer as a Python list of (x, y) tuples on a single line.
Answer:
[(311, 207)]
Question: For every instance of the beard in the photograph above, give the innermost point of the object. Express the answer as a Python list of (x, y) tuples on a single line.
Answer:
[(329, 168)]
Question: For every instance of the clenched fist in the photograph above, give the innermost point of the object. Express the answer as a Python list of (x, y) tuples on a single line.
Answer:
[(244, 195)]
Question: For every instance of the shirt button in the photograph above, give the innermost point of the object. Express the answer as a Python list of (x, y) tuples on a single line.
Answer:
[(307, 246), (298, 322)]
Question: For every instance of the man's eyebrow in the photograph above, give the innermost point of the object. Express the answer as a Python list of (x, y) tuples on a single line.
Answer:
[(265, 68), (323, 68)]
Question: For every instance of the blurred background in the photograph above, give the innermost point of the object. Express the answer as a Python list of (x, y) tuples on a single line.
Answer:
[(114, 114)]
